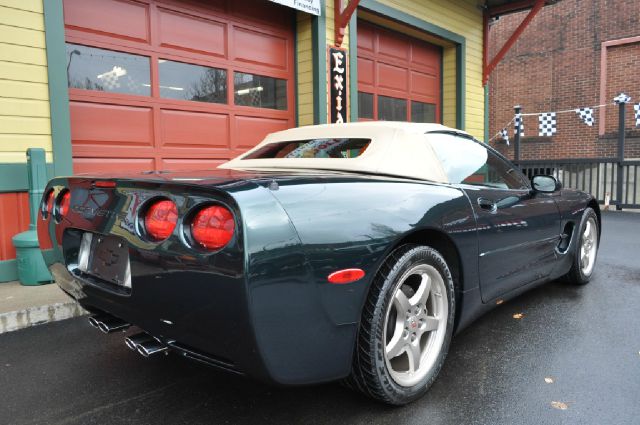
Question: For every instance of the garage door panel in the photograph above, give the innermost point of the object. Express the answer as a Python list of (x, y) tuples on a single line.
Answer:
[(187, 129), (366, 39), (192, 33), (424, 84), (105, 165), (426, 56), (256, 47), (118, 18), (392, 77), (249, 131), (190, 164), (122, 125), (391, 45), (366, 71)]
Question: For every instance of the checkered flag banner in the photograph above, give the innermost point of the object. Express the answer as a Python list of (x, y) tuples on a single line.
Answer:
[(621, 98), (636, 108), (586, 115), (518, 122), (547, 124), (504, 133), (109, 80)]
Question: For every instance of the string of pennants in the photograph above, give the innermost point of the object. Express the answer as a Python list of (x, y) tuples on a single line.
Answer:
[(548, 123)]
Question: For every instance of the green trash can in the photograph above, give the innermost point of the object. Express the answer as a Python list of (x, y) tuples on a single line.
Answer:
[(32, 269)]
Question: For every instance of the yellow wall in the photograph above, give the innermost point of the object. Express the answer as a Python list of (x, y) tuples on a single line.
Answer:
[(24, 95), (305, 70)]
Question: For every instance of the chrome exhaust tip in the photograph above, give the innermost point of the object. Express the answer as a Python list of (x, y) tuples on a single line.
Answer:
[(149, 348), (108, 324), (134, 340), (96, 320)]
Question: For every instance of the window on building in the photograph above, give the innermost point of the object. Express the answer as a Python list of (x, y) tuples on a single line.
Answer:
[(192, 82), (423, 112), (392, 109), (365, 105), (259, 91), (90, 68)]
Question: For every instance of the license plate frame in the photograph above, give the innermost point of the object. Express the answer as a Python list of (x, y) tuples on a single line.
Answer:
[(106, 258)]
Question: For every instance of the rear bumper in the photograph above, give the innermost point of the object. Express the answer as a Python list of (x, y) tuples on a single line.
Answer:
[(200, 316)]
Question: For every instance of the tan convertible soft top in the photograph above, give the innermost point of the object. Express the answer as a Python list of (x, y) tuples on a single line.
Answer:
[(396, 148)]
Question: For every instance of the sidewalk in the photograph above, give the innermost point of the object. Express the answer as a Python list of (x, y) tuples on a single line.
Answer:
[(24, 306)]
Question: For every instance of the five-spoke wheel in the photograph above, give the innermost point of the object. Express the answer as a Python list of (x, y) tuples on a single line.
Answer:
[(415, 324), (406, 326)]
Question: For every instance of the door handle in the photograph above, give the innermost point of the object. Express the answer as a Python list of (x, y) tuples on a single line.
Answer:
[(487, 204)]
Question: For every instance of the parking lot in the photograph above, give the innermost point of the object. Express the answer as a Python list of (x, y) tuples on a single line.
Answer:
[(584, 340)]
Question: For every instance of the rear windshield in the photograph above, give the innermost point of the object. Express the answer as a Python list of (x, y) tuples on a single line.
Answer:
[(314, 148)]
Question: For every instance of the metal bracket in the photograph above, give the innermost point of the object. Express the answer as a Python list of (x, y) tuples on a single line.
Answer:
[(341, 17)]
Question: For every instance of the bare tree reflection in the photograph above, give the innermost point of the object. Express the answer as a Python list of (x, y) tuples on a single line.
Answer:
[(212, 87)]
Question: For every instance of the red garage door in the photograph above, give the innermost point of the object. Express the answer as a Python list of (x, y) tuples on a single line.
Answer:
[(175, 85), (398, 76)]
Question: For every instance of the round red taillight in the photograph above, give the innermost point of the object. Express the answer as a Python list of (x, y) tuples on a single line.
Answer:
[(63, 205), (47, 204), (161, 219), (212, 227)]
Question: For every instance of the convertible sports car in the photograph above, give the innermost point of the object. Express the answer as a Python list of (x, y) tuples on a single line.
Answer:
[(350, 251)]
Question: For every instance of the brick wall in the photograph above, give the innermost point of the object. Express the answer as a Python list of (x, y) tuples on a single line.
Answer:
[(555, 66)]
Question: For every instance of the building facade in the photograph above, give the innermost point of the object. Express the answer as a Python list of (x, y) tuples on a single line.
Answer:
[(574, 54), (132, 85)]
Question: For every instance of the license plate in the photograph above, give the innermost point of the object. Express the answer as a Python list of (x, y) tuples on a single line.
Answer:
[(105, 257)]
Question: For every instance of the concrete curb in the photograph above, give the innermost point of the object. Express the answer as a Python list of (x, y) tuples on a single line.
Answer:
[(32, 316)]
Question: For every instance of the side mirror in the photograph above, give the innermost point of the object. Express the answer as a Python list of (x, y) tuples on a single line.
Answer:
[(545, 184)]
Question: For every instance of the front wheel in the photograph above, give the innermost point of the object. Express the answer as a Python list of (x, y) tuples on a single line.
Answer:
[(406, 326), (586, 249)]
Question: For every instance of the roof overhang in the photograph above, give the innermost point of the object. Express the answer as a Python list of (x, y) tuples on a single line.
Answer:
[(496, 8)]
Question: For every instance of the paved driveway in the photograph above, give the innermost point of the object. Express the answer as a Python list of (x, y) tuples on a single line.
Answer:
[(587, 340)]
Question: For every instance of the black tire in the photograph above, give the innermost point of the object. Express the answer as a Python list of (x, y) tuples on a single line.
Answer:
[(577, 275), (370, 374)]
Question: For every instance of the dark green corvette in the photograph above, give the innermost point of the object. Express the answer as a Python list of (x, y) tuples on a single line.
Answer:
[(331, 252)]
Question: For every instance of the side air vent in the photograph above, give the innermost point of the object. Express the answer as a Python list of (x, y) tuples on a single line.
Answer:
[(565, 237)]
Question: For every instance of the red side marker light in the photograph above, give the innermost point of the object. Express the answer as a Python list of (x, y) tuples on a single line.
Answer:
[(345, 276), (161, 219), (105, 184)]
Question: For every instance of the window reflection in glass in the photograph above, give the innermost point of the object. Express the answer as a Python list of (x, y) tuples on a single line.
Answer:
[(392, 109), (259, 91), (90, 68), (467, 161), (197, 83), (365, 105), (423, 112)]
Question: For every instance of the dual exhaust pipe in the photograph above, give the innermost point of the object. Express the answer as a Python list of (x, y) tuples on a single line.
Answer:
[(143, 343), (108, 324)]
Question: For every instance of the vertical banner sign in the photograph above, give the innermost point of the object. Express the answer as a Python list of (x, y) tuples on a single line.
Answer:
[(338, 85)]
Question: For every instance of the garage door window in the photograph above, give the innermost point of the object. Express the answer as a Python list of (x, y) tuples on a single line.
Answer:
[(259, 91), (392, 109), (90, 68), (365, 105), (423, 112), (198, 83)]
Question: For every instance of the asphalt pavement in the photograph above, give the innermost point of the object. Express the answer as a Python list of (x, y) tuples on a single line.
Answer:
[(572, 358)]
